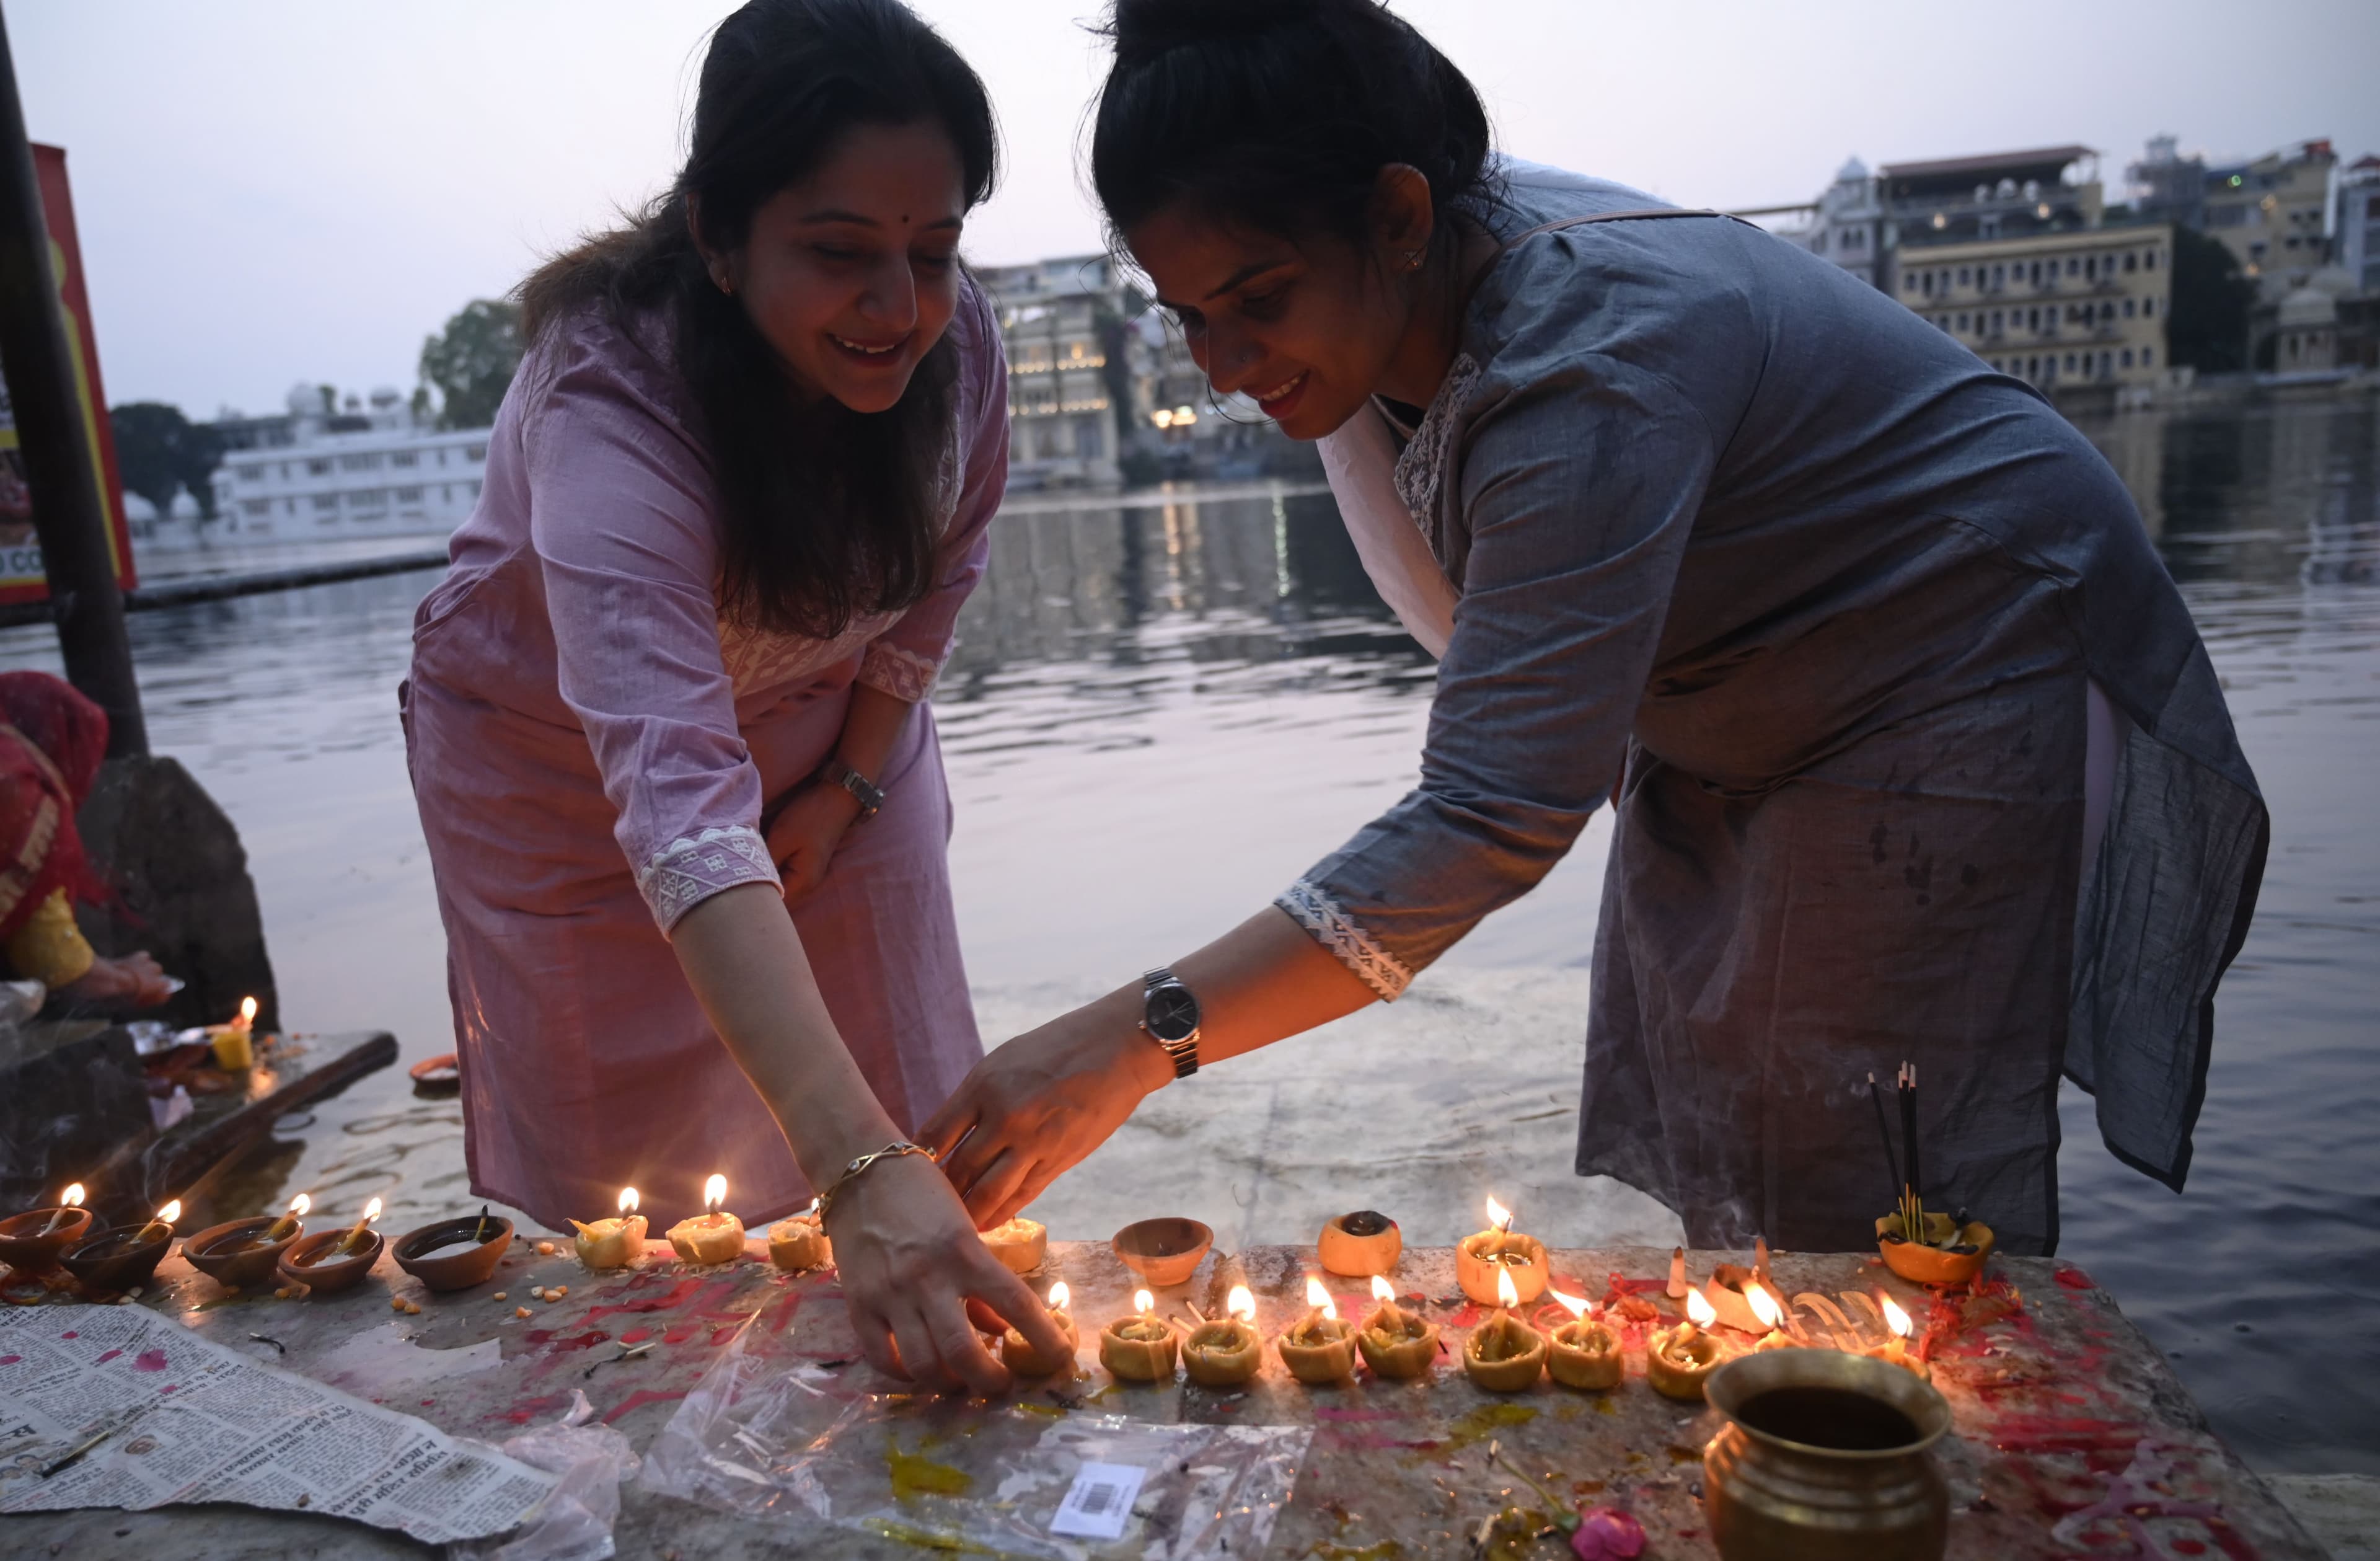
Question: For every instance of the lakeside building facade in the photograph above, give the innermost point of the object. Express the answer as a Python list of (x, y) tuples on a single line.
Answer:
[(2081, 306), (320, 472), (2275, 214)]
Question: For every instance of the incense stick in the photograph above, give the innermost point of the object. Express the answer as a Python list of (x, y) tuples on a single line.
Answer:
[(1884, 1131)]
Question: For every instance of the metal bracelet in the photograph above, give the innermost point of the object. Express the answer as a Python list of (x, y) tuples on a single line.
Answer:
[(859, 1163)]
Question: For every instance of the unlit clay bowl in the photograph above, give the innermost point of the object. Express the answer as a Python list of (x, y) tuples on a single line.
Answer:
[(1929, 1264), (116, 1262), (1163, 1251), (444, 1257), (229, 1255), (1359, 1244), (22, 1245), (332, 1275)]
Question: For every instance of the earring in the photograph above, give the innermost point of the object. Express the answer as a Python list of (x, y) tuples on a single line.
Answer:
[(1413, 260), (724, 285)]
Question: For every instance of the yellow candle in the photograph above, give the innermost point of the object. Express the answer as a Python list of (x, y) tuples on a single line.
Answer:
[(289, 1224), (353, 1241), (615, 1242), (68, 1200)]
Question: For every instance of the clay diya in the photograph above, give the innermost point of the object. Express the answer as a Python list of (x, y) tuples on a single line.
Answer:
[(455, 1254), (1163, 1251), (799, 1241), (123, 1259), (1020, 1245), (1359, 1244), (1679, 1360), (712, 1236), (1895, 1350), (1504, 1354), (239, 1254), (1396, 1344), (1322, 1349), (1018, 1354), (1950, 1254), (1582, 1352), (1725, 1292), (1140, 1348), (33, 1239), (1226, 1351), (1479, 1258), (615, 1242)]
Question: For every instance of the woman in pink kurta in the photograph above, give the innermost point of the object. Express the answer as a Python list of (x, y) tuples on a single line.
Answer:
[(601, 728)]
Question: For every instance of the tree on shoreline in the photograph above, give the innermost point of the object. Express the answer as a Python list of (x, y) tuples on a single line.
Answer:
[(158, 450), (470, 362)]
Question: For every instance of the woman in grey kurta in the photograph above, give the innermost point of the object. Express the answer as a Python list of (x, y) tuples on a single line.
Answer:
[(1832, 612)]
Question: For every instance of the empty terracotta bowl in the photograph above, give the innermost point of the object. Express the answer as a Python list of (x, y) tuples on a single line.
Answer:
[(22, 1245), (116, 1262), (1163, 1251), (231, 1255), (332, 1273), (445, 1257)]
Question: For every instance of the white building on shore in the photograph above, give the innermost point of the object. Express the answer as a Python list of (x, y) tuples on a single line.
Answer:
[(323, 473)]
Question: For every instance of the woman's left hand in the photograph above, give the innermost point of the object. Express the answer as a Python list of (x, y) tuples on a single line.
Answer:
[(802, 840)]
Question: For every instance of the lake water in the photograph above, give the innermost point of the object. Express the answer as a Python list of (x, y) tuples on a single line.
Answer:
[(1161, 714)]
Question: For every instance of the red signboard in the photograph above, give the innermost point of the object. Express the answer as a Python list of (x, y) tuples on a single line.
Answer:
[(20, 552)]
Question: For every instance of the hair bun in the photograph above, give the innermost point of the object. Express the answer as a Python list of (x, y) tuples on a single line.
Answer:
[(1143, 29)]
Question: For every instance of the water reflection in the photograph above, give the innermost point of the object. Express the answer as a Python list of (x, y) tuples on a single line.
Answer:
[(1160, 713)]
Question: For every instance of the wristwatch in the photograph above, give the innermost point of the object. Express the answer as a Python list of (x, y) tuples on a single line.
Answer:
[(866, 792), (1169, 1013)]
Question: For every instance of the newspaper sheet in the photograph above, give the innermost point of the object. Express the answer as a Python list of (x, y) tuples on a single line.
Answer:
[(189, 1420)]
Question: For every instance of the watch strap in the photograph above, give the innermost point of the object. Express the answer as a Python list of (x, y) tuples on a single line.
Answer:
[(1184, 1051), (866, 792)]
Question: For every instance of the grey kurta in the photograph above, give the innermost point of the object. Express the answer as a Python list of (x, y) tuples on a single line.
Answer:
[(1828, 591)]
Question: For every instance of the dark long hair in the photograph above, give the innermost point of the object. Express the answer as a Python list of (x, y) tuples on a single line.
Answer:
[(1280, 115), (826, 514)]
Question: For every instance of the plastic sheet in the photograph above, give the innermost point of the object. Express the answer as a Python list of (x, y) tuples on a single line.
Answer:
[(574, 1522), (819, 1447)]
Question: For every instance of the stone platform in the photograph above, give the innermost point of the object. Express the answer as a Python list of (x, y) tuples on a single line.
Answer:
[(2071, 1435)]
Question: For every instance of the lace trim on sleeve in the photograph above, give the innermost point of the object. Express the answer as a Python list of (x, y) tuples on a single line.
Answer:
[(904, 675), (691, 869), (1327, 922)]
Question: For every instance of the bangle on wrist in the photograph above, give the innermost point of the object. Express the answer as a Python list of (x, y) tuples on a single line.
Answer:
[(858, 1165)]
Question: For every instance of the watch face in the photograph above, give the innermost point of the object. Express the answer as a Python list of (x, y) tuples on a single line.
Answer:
[(1172, 1013)]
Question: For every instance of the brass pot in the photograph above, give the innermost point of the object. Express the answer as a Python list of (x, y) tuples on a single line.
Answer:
[(1824, 1456)]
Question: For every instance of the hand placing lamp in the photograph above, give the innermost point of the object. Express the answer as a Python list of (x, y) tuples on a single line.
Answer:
[(615, 1242), (712, 1236), (1019, 1356)]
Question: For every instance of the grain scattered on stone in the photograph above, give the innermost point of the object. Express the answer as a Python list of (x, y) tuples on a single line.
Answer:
[(520, 1311)]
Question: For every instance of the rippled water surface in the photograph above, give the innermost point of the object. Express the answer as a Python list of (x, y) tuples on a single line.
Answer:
[(1161, 714)]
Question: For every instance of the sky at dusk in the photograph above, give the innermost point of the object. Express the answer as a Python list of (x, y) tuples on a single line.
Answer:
[(276, 192)]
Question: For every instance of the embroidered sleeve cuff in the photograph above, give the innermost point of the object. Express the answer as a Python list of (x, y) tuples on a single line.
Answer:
[(690, 870), (1328, 924), (904, 675)]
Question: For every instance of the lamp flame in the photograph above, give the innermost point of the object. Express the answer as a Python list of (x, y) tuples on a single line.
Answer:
[(1320, 1299), (1575, 1305), (1507, 1294), (170, 1213), (1764, 1305), (813, 1209), (371, 1211), (1241, 1304), (246, 1012), (72, 1196), (1896, 1319), (1059, 1295), (1699, 1311), (628, 1202), (1383, 1292), (1143, 1302), (715, 1194), (1498, 1215), (300, 1206)]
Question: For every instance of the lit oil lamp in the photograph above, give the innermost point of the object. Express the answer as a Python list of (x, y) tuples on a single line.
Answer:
[(162, 1227), (1019, 1355), (1896, 1349), (712, 1236), (358, 1234), (615, 1242), (1504, 1354), (1764, 1307), (1227, 1350), (235, 1044), (1679, 1360), (1582, 1352), (799, 1241), (1020, 1244), (1322, 1349), (68, 1201), (291, 1222), (1479, 1258), (1396, 1343), (1140, 1348)]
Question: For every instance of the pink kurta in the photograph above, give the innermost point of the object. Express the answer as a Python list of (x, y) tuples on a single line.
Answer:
[(591, 748)]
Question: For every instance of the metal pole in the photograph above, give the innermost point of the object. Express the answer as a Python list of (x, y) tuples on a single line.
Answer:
[(69, 514)]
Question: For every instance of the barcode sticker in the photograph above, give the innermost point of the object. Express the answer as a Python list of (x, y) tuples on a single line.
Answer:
[(1099, 1504)]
